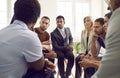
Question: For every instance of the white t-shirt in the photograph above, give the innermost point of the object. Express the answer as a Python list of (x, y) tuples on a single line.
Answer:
[(18, 45)]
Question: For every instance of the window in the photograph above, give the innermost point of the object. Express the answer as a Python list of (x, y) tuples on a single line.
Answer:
[(6, 12), (74, 11), (3, 14)]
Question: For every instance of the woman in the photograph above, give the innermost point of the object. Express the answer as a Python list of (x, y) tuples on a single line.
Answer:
[(86, 39)]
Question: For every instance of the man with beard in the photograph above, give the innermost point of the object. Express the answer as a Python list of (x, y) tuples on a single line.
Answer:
[(97, 42), (98, 37), (109, 67), (45, 40)]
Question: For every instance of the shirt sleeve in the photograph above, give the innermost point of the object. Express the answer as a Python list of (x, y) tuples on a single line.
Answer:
[(33, 49)]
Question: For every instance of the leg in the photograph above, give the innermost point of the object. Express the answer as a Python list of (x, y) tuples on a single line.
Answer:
[(51, 74), (70, 58), (60, 57), (89, 72), (78, 70)]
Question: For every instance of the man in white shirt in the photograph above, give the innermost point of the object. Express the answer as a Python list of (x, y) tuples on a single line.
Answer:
[(110, 65), (19, 46)]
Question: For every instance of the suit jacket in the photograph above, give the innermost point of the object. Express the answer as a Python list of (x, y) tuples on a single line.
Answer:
[(58, 42), (84, 45)]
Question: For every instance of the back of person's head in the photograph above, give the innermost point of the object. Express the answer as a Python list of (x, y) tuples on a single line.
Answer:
[(46, 17), (108, 15), (60, 16), (27, 11), (117, 3), (100, 20)]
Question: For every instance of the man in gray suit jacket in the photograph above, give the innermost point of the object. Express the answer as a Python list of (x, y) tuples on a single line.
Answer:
[(62, 43)]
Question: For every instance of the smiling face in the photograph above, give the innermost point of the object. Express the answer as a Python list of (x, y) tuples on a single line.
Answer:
[(88, 22)]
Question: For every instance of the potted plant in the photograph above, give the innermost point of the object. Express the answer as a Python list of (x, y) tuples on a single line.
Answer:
[(77, 47)]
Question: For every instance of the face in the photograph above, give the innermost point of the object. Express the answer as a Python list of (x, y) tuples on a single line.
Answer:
[(44, 23), (98, 28), (60, 23), (88, 23), (106, 19), (111, 4)]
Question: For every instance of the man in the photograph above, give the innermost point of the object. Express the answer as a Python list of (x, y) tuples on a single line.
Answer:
[(97, 42), (62, 43), (20, 46), (45, 40), (45, 37), (109, 67), (98, 37), (93, 61)]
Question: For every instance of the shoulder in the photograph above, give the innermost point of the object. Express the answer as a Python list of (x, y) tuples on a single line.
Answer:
[(30, 37), (67, 28)]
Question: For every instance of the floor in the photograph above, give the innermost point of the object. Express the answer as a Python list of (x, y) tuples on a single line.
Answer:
[(71, 76)]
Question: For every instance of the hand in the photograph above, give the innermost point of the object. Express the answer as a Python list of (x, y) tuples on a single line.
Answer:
[(95, 37), (70, 47), (82, 55), (50, 54), (85, 63), (50, 67)]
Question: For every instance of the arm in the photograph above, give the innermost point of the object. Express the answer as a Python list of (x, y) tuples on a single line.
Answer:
[(70, 46), (32, 53), (50, 54), (90, 62), (70, 37), (55, 43), (82, 45), (41, 63), (37, 65), (93, 45), (46, 42)]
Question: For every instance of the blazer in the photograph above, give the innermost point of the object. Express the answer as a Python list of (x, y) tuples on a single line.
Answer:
[(84, 45), (58, 42)]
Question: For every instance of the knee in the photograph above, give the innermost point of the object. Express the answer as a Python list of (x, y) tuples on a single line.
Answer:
[(77, 59)]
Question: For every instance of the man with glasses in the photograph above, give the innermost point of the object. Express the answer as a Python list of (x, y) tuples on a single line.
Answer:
[(109, 67)]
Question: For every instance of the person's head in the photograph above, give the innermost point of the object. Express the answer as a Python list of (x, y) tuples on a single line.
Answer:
[(114, 4), (44, 23), (27, 11), (60, 21), (106, 19), (98, 26), (88, 22)]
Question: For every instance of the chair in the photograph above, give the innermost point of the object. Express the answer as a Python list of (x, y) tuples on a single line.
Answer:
[(65, 63)]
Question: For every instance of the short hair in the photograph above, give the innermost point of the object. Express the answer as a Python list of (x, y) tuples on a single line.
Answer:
[(46, 17), (60, 16), (27, 11), (100, 20), (108, 15), (117, 3)]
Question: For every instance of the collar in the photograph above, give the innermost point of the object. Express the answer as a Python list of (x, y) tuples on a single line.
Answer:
[(18, 22), (63, 29)]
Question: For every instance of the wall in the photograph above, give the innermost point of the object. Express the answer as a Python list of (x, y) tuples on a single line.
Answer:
[(48, 8), (98, 8)]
